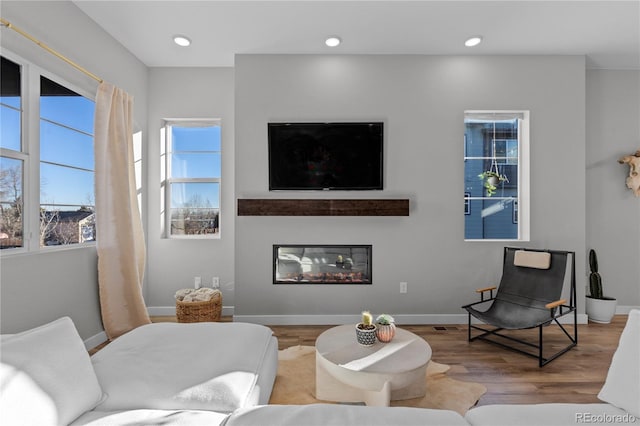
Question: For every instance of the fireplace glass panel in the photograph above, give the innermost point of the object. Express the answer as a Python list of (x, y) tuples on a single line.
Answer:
[(322, 264)]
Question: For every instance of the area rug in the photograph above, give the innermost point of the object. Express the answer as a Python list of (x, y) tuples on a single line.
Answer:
[(295, 384)]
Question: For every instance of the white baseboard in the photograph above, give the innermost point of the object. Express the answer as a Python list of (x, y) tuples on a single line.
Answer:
[(95, 340), (346, 319), (624, 310), (418, 319), (168, 311)]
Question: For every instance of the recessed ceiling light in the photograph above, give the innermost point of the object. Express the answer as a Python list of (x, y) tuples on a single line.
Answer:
[(473, 41), (332, 41), (181, 40)]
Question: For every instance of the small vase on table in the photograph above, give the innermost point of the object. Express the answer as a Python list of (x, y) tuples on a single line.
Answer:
[(385, 328)]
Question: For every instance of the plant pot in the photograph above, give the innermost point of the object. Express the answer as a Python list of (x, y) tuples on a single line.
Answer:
[(385, 333), (493, 180), (366, 337), (601, 310)]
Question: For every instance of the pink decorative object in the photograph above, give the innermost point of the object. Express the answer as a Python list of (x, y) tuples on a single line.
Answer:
[(385, 333)]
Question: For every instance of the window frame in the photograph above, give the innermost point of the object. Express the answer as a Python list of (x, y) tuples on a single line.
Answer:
[(30, 154), (62, 165), (23, 155), (167, 180), (522, 201)]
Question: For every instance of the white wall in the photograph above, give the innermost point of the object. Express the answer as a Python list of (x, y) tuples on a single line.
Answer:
[(613, 212), (37, 288), (173, 263), (421, 99)]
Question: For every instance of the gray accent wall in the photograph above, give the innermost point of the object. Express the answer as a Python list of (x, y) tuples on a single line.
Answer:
[(613, 212), (421, 100), (173, 263)]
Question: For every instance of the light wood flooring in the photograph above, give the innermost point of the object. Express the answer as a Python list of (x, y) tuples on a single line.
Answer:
[(510, 378)]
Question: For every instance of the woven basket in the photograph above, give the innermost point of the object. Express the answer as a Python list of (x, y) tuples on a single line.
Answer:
[(207, 311)]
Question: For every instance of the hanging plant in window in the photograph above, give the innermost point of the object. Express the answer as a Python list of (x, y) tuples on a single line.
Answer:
[(492, 178)]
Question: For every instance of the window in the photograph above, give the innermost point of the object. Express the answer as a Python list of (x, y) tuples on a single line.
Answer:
[(47, 177), (66, 166), (193, 178), (12, 157), (496, 175)]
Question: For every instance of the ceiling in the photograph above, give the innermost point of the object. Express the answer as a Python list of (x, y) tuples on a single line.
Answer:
[(607, 32)]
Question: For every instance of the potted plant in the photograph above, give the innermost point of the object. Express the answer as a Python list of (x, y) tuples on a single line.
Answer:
[(600, 308), (366, 330), (491, 179), (385, 328)]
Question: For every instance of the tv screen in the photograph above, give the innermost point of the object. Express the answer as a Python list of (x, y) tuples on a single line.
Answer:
[(325, 156)]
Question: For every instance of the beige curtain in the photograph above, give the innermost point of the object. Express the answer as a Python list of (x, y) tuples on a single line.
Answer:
[(120, 240)]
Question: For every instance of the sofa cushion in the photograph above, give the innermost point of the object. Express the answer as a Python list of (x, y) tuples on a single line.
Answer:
[(150, 418), (198, 366), (622, 386), (22, 401), (342, 415), (48, 365), (548, 414)]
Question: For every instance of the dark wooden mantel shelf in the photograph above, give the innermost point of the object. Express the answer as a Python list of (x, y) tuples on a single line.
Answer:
[(322, 207)]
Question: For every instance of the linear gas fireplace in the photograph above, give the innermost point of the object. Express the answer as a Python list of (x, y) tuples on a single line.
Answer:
[(321, 264)]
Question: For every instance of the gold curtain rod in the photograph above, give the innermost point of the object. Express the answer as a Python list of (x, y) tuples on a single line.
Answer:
[(50, 50)]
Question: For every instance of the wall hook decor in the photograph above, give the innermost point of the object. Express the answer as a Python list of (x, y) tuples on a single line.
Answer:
[(633, 180)]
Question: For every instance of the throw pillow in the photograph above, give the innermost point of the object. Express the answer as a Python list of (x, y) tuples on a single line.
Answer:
[(54, 358), (22, 401), (622, 386)]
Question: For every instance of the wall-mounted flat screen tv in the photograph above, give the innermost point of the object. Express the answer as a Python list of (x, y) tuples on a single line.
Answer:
[(325, 156)]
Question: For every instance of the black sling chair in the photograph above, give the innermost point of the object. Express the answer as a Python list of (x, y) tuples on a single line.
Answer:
[(529, 296)]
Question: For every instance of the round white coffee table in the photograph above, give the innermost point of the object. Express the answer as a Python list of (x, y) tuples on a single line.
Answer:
[(349, 372)]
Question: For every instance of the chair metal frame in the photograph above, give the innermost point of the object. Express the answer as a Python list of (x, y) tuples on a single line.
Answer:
[(556, 311)]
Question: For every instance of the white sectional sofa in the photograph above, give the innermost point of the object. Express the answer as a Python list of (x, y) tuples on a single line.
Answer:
[(163, 373), (223, 373)]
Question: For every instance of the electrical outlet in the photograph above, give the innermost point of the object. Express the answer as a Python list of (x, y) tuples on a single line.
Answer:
[(197, 282), (403, 287), (216, 282)]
